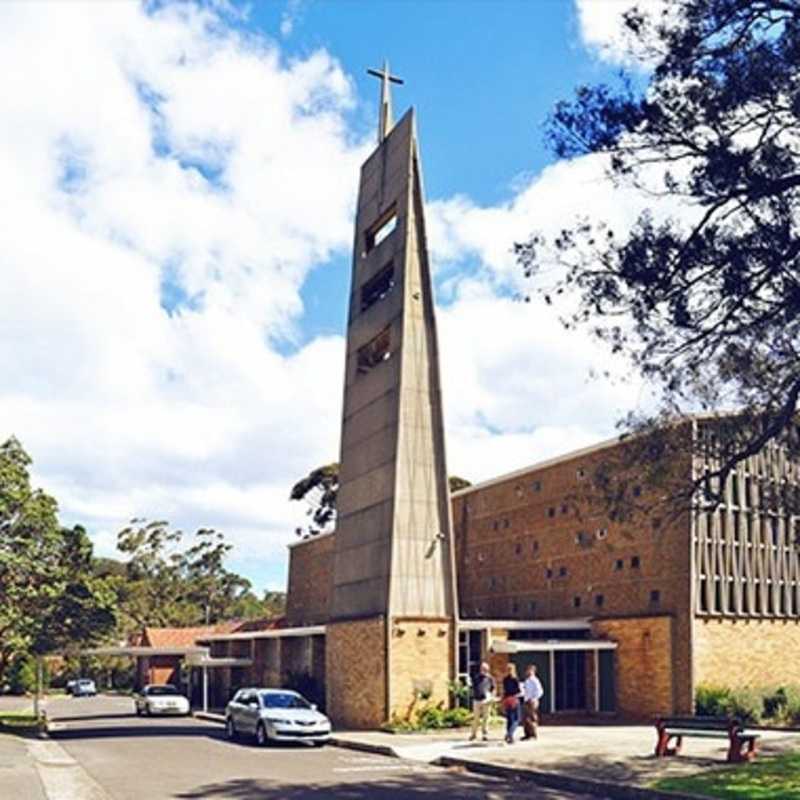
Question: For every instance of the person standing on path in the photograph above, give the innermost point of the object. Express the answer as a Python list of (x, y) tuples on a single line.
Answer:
[(532, 692), (512, 692), (483, 691)]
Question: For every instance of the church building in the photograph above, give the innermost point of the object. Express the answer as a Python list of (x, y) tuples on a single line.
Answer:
[(624, 615)]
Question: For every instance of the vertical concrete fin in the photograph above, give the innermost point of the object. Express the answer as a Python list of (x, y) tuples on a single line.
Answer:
[(393, 552)]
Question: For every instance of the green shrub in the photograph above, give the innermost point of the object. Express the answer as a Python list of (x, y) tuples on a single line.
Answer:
[(22, 674), (712, 701), (457, 717), (746, 705)]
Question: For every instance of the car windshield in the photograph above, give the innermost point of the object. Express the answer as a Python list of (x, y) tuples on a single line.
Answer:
[(85, 683), (161, 690), (283, 700)]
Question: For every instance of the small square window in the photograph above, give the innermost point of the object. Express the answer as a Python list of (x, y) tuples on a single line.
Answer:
[(535, 547), (618, 564), (576, 602), (518, 491), (635, 562), (378, 287), (564, 508), (562, 571), (495, 525), (580, 473), (506, 523), (374, 352), (601, 533), (599, 600), (532, 606), (492, 583), (384, 226), (655, 597), (480, 558), (536, 486), (551, 512), (518, 548), (548, 573), (637, 491)]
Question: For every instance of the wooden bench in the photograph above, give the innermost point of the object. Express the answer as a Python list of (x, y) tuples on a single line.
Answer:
[(741, 743)]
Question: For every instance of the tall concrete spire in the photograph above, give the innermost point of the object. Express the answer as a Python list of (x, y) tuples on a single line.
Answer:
[(394, 581), (385, 109)]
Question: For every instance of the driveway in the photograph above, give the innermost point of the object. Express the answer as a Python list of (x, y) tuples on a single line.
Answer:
[(125, 757)]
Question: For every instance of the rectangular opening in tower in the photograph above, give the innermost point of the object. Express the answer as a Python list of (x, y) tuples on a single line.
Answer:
[(375, 351), (377, 287), (379, 230)]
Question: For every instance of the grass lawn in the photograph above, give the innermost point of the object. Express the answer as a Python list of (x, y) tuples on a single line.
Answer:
[(773, 777), (17, 720)]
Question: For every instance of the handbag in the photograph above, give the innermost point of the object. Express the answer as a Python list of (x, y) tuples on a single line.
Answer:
[(510, 702)]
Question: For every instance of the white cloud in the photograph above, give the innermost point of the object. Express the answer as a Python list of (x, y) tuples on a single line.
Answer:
[(601, 27), (149, 153), (152, 155)]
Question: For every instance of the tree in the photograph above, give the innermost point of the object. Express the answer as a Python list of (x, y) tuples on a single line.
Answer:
[(704, 300), (49, 597), (169, 584), (320, 489)]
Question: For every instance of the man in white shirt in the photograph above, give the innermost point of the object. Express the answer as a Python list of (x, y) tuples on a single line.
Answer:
[(532, 692)]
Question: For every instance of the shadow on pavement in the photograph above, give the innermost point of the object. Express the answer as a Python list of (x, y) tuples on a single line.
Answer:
[(400, 788), (137, 732), (130, 715)]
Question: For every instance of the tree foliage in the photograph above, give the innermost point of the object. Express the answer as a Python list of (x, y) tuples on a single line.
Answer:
[(702, 293), (167, 583), (320, 490), (49, 595)]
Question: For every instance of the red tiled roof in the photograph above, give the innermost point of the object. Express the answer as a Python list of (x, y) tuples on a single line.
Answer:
[(187, 637)]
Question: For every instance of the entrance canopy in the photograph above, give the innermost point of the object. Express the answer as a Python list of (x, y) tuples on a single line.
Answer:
[(546, 645)]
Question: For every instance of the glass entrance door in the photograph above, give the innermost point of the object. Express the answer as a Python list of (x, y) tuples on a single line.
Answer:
[(570, 680)]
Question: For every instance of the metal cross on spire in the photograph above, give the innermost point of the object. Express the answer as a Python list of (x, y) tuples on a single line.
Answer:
[(385, 111)]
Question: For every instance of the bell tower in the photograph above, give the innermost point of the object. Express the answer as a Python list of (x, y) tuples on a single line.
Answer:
[(392, 629)]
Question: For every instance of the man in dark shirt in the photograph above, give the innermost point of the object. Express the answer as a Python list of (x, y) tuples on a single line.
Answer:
[(483, 695)]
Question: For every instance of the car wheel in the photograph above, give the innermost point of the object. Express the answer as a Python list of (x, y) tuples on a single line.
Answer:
[(230, 729), (262, 739), (138, 711)]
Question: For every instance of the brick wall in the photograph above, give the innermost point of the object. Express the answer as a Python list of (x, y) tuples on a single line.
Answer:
[(421, 660), (164, 669), (644, 676), (746, 652), (540, 545), (355, 666), (310, 586)]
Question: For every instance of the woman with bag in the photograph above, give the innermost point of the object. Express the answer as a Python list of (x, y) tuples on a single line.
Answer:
[(512, 692)]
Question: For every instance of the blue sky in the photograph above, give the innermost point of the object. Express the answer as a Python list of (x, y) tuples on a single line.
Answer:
[(483, 76), (182, 181)]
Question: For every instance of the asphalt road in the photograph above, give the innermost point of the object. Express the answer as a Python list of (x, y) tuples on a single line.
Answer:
[(173, 758)]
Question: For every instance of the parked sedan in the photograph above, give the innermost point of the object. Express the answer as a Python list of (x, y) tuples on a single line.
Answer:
[(278, 715), (84, 687), (160, 699)]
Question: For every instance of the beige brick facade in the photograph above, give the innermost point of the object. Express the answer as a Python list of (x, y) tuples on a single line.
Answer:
[(746, 652), (644, 675), (421, 664), (355, 670), (310, 581)]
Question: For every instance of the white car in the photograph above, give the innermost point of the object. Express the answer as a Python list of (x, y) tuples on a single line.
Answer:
[(276, 715), (161, 699), (83, 687)]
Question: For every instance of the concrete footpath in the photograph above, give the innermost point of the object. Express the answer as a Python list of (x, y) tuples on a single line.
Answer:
[(40, 769), (606, 760)]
